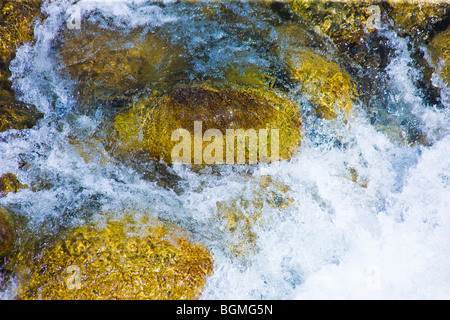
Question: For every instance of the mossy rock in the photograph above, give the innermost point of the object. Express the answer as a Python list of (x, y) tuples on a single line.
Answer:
[(7, 234), (242, 216), (16, 21), (109, 64), (10, 183), (125, 258), (417, 18), (439, 49), (148, 127), (17, 115), (322, 81), (353, 25), (347, 23), (16, 27)]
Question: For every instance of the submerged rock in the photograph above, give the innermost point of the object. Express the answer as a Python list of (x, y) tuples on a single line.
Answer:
[(151, 126), (17, 115), (349, 24), (16, 27), (120, 259), (331, 89), (439, 49), (353, 25), (7, 235), (10, 183), (417, 18), (110, 65), (321, 79), (16, 21), (242, 216)]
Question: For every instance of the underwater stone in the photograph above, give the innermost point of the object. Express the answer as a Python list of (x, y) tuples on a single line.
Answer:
[(148, 126), (6, 232), (120, 259), (439, 49), (16, 21), (353, 25), (322, 81), (417, 18), (10, 183), (243, 215), (16, 27), (17, 115), (112, 65), (346, 23)]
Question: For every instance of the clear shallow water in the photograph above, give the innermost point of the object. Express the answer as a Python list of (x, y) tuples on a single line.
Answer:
[(336, 240)]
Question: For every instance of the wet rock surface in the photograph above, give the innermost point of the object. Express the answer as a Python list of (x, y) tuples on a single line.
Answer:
[(16, 27), (149, 125), (120, 259), (7, 234)]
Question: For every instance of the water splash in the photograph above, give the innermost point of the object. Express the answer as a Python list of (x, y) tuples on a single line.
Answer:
[(381, 234)]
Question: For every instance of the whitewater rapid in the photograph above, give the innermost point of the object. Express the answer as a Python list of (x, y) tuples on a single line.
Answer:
[(388, 240)]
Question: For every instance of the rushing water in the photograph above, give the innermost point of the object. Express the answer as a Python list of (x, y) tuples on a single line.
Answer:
[(389, 239)]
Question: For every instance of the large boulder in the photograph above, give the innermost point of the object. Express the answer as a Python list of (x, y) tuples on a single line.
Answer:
[(124, 258), (151, 126)]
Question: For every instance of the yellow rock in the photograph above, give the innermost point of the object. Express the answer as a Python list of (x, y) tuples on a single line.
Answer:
[(149, 126), (111, 64), (331, 89), (343, 21), (120, 259), (242, 216), (350, 23), (17, 115), (6, 232), (16, 27), (412, 17), (9, 183), (16, 21), (439, 49)]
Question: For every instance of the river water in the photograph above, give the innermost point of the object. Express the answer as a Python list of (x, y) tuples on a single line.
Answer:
[(384, 237)]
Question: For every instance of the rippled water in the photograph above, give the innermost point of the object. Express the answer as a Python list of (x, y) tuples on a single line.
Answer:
[(337, 239)]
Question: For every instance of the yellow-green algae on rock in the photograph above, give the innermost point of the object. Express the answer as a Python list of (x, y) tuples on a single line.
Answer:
[(16, 27), (110, 64), (16, 19), (324, 82), (439, 49), (353, 24), (7, 235), (17, 115), (10, 183), (412, 17), (148, 126), (243, 215), (126, 258)]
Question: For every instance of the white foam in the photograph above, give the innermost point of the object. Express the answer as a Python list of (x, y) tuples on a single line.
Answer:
[(339, 239)]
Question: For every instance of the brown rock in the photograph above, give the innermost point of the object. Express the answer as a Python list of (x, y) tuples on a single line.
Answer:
[(6, 232)]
